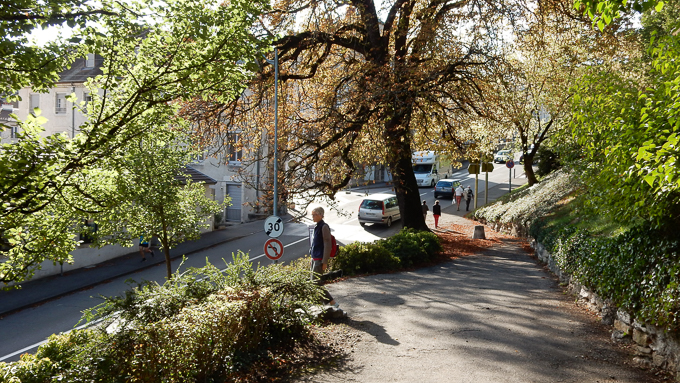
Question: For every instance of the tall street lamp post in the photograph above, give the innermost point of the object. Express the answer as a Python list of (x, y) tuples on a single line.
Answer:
[(275, 62)]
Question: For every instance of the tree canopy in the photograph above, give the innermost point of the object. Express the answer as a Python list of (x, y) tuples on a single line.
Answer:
[(625, 121), (153, 194), (530, 95), (156, 54), (362, 86)]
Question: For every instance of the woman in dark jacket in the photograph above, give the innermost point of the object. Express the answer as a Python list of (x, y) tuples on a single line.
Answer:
[(436, 212)]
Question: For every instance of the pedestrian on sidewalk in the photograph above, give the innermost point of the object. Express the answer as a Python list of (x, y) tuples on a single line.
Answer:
[(436, 213), (469, 195), (144, 247), (425, 209), (459, 195), (321, 251)]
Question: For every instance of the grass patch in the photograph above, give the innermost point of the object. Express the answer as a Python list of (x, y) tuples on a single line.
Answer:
[(570, 212)]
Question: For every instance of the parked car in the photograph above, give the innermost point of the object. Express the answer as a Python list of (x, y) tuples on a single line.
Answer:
[(502, 156), (379, 208), (445, 188)]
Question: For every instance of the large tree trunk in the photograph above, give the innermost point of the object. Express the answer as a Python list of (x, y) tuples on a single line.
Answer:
[(408, 195), (405, 184), (529, 169)]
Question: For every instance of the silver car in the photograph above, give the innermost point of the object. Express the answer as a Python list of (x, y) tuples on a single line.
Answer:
[(379, 208), (502, 156)]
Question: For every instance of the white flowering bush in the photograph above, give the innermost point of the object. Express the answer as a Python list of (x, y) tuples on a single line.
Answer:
[(531, 203)]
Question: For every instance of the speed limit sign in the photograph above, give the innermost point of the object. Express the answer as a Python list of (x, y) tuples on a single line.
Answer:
[(273, 226)]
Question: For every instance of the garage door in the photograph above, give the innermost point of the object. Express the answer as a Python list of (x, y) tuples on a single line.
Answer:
[(233, 212)]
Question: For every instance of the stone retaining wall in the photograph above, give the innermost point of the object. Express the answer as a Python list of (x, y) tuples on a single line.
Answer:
[(653, 346)]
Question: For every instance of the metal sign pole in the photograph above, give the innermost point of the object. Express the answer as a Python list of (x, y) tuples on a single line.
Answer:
[(486, 190), (476, 189), (276, 125)]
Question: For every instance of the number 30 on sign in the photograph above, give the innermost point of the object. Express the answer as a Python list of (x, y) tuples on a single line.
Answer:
[(273, 226)]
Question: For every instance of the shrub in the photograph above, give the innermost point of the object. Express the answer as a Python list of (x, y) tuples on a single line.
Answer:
[(532, 203), (404, 249), (202, 325), (29, 369), (413, 247), (360, 258), (639, 269), (548, 161)]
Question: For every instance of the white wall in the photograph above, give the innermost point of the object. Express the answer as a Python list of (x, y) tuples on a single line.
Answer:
[(82, 257), (56, 123)]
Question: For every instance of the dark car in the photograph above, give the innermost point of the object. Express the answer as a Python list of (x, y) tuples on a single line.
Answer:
[(445, 188)]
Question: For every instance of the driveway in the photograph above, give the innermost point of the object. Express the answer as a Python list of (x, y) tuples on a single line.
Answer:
[(497, 316)]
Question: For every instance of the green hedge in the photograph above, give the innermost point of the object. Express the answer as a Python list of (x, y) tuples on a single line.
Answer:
[(404, 249), (639, 270)]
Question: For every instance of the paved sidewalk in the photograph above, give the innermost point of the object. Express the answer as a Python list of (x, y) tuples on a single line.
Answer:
[(48, 288), (497, 316)]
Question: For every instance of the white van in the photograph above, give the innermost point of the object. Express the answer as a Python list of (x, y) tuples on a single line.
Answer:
[(426, 167), (379, 208)]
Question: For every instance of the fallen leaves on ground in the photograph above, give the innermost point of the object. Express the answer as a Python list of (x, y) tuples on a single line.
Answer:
[(457, 240)]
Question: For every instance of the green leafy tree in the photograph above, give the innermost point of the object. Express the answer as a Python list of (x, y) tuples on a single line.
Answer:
[(153, 196), (626, 123), (532, 91), (156, 54), (23, 63)]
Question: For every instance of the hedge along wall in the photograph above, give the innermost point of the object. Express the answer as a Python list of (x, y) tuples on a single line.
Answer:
[(642, 311), (633, 279)]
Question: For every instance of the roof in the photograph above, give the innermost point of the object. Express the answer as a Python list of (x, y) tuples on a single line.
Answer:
[(196, 176), (79, 73)]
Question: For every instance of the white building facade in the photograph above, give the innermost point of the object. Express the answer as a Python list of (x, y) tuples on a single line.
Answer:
[(65, 117)]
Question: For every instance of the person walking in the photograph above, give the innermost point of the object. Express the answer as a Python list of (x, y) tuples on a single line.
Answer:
[(144, 247), (321, 251), (425, 209), (436, 213), (459, 195), (469, 195)]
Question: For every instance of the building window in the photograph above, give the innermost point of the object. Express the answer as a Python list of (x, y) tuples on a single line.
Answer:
[(34, 102), (89, 61), (234, 151), (87, 98), (14, 133), (10, 105), (60, 103)]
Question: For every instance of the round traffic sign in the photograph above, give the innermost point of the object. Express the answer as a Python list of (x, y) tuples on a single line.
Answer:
[(273, 249), (510, 164), (273, 226)]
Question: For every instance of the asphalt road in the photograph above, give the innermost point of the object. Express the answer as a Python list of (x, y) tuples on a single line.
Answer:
[(25, 330)]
